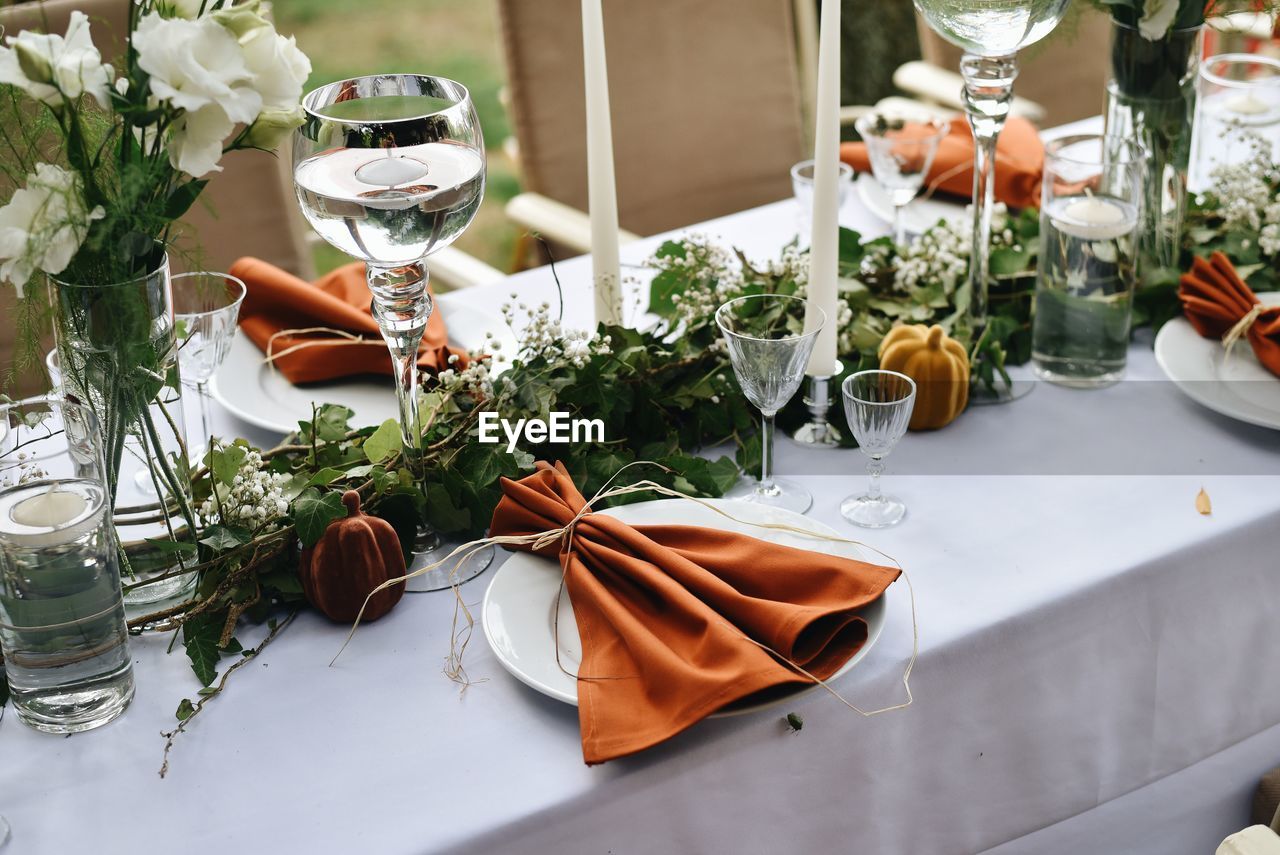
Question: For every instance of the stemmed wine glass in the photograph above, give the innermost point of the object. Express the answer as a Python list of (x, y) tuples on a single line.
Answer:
[(901, 149), (205, 307), (991, 32), (389, 169), (878, 404), (769, 350)]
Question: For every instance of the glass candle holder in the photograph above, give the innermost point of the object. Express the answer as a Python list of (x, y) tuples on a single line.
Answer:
[(1237, 114), (1090, 216), (62, 620)]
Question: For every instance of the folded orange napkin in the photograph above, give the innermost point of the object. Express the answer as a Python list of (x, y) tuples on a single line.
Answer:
[(667, 614), (1215, 299), (277, 301), (1019, 162)]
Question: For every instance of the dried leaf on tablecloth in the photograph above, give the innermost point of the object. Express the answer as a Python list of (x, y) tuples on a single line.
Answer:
[(1202, 503)]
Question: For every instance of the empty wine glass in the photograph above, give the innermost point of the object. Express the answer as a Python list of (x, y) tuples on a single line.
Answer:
[(769, 350), (901, 149), (802, 187), (878, 404), (206, 307), (390, 168)]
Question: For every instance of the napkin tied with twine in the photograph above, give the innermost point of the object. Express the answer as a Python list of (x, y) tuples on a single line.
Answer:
[(678, 622), (313, 332), (1218, 304)]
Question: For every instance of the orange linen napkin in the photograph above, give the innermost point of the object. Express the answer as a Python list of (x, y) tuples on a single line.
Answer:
[(667, 613), (277, 301), (1019, 162), (1215, 299)]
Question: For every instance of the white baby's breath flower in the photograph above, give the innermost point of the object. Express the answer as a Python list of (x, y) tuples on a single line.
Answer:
[(43, 225), (53, 68)]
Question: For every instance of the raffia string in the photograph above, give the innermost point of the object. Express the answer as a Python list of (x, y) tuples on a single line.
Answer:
[(1233, 335), (565, 533), (350, 338)]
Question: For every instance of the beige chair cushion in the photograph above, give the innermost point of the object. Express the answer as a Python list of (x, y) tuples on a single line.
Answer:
[(1067, 73), (704, 94), (247, 209)]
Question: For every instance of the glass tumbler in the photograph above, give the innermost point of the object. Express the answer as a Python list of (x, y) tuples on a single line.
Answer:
[(62, 620), (802, 187), (1237, 115), (1091, 210)]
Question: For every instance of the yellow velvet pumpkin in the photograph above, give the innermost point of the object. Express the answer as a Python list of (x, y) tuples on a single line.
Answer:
[(938, 364)]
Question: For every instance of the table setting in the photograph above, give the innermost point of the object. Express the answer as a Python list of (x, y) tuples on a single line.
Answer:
[(716, 528)]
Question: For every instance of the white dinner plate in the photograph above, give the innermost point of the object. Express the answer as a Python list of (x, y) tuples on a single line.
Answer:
[(1238, 386), (919, 216), (520, 605), (254, 391)]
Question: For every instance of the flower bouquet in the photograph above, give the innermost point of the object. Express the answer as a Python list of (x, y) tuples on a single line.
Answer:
[(104, 162)]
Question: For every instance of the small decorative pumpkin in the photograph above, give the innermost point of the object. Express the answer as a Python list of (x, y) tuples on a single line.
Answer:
[(354, 555), (938, 364)]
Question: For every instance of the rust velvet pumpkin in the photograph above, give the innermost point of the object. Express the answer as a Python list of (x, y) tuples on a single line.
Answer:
[(354, 555), (938, 364)]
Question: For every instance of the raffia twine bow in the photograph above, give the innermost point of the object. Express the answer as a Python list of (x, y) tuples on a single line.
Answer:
[(1233, 335), (347, 339), (564, 534)]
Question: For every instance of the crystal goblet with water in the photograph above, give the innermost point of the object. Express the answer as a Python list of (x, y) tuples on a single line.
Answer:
[(390, 169), (990, 32), (205, 307), (769, 350), (878, 404), (901, 149)]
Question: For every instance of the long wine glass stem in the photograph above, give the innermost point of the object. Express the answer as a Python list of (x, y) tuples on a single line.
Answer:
[(766, 485), (402, 306), (988, 94), (874, 467), (202, 391), (899, 225)]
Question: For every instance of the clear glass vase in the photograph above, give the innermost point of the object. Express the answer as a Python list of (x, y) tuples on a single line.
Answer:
[(117, 353), (1151, 99)]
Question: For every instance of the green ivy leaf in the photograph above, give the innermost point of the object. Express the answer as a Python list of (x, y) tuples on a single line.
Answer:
[(383, 442), (200, 636), (225, 462), (443, 513), (312, 512), (221, 538), (185, 710), (332, 422), (324, 477), (182, 198)]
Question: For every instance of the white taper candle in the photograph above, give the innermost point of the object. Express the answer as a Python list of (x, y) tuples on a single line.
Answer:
[(602, 192), (825, 240)]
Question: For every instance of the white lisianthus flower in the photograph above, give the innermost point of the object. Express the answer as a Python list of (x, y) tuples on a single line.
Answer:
[(199, 67), (55, 69), (188, 9), (279, 68), (1157, 18), (195, 143), (43, 225)]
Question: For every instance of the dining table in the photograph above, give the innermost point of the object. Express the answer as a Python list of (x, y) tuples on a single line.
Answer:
[(1095, 669)]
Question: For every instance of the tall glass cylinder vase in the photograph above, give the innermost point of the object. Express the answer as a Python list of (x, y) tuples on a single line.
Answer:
[(117, 352), (1151, 99)]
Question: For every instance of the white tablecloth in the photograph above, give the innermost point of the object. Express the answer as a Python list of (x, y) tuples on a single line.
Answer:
[(1097, 673)]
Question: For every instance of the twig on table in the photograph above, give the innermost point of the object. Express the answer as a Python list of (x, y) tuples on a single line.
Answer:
[(171, 736)]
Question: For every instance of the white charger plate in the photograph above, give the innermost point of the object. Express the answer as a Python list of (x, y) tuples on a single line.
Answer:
[(520, 605), (919, 216), (262, 396), (1238, 387)]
